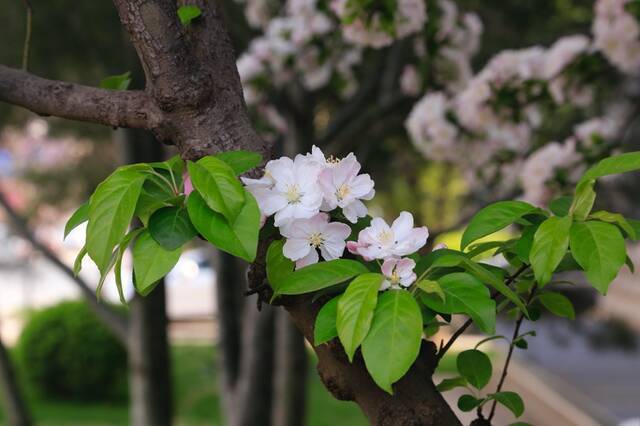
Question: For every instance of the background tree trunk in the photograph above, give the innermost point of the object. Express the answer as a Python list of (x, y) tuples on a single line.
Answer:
[(15, 407), (150, 389)]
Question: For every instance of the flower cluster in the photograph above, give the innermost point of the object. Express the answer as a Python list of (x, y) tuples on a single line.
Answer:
[(308, 194), (616, 34)]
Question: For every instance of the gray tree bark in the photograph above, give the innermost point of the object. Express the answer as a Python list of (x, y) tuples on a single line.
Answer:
[(15, 407)]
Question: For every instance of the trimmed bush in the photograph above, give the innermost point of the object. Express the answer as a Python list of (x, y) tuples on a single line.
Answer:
[(66, 353)]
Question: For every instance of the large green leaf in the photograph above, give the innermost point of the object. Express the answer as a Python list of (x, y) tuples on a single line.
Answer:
[(320, 275), (171, 227), (550, 244), (325, 327), (240, 238), (278, 266), (493, 218), (240, 161), (393, 342), (151, 262), (110, 211), (78, 217), (511, 400), (464, 294), (622, 163), (475, 366), (218, 186), (355, 311), (117, 269), (481, 272), (599, 249), (557, 304)]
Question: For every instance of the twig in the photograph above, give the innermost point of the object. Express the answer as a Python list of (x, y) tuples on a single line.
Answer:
[(27, 36), (516, 333), (466, 325)]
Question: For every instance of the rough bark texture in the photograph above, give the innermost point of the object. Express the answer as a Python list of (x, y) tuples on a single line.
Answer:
[(15, 408), (193, 81)]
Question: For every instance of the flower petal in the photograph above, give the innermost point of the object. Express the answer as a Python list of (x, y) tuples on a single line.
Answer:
[(296, 248)]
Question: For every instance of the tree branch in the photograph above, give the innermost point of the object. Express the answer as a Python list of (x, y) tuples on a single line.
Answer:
[(77, 102), (116, 322)]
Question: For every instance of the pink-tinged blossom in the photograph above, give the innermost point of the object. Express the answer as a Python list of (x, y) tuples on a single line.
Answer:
[(398, 273), (381, 241), (289, 190), (306, 236), (343, 187), (188, 185)]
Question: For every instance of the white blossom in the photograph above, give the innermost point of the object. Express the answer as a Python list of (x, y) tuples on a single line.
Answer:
[(398, 273), (304, 237), (381, 241)]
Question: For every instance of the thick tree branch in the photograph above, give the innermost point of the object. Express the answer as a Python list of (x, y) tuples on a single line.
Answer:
[(77, 102)]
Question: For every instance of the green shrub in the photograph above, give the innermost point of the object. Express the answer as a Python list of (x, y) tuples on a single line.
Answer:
[(67, 353)]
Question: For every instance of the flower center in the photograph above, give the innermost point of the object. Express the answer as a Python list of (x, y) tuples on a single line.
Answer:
[(343, 192), (395, 278), (293, 194), (333, 160), (316, 239), (385, 237)]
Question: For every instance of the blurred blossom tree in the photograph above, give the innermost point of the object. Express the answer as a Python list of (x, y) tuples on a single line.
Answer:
[(525, 122)]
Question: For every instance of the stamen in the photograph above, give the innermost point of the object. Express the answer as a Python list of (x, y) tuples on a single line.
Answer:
[(316, 239)]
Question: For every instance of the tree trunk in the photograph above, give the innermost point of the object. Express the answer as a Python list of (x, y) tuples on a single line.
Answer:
[(15, 408), (290, 381), (151, 394), (149, 362)]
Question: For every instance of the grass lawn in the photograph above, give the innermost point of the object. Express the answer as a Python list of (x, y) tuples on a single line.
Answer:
[(196, 396)]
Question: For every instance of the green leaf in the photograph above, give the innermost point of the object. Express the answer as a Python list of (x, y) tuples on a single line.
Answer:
[(240, 161), (452, 383), (116, 82), (616, 219), (117, 269), (110, 211), (550, 244), (152, 197), (77, 264), (320, 275), (511, 400), (583, 200), (622, 163), (429, 287), (493, 218), (278, 266), (560, 206), (355, 311), (481, 272), (465, 295), (218, 186), (240, 238), (599, 249), (557, 304), (171, 227), (468, 402), (325, 328), (393, 342), (188, 13), (151, 262), (475, 366), (523, 245), (78, 217)]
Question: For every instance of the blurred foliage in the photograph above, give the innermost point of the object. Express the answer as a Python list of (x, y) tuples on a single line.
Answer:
[(67, 353)]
